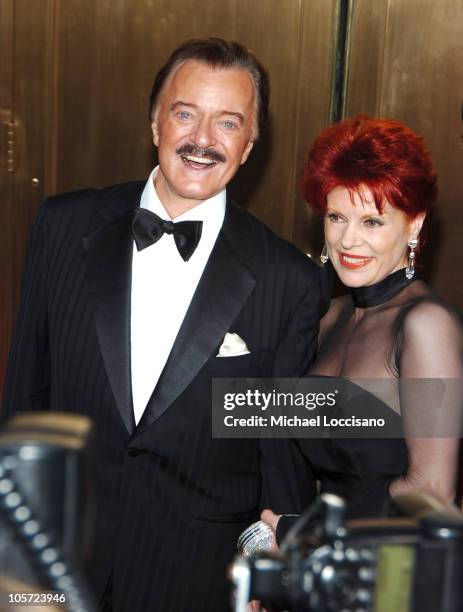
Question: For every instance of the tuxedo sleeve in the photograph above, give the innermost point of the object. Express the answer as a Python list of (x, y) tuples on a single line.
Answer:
[(298, 341), (27, 384), (288, 483)]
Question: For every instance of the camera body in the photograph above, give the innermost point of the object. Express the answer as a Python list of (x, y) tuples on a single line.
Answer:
[(410, 562), (46, 510)]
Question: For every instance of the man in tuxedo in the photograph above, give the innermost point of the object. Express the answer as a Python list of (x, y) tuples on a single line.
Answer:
[(131, 294)]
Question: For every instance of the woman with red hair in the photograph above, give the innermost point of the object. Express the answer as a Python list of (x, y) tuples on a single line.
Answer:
[(373, 181)]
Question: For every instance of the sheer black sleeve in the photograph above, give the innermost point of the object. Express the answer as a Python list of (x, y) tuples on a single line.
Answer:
[(430, 365)]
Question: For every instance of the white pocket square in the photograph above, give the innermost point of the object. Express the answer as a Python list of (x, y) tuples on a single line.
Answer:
[(232, 346)]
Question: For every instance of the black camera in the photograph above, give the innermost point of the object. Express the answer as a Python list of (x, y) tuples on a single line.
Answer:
[(46, 511), (411, 561)]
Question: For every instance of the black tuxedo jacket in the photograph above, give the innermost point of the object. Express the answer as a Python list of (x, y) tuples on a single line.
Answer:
[(171, 501)]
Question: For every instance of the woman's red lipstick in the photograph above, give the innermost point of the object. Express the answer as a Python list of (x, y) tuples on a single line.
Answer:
[(353, 261)]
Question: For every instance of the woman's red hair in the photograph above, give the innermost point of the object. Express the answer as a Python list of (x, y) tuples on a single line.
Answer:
[(382, 155)]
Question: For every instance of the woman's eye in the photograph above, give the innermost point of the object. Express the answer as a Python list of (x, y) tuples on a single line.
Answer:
[(334, 218), (373, 222)]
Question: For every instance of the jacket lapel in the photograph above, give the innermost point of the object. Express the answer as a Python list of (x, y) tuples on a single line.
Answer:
[(221, 293), (109, 270)]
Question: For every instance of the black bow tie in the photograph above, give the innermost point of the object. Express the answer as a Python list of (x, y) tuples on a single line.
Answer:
[(147, 228)]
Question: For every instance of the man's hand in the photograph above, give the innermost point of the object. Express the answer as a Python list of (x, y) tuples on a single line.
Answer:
[(271, 519)]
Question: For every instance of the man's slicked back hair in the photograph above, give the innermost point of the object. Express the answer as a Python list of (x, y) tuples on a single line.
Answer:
[(217, 53)]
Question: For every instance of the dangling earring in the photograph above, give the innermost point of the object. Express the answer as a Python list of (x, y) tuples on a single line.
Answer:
[(324, 255), (410, 269)]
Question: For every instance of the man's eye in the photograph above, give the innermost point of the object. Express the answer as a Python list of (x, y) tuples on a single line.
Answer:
[(183, 115), (229, 125)]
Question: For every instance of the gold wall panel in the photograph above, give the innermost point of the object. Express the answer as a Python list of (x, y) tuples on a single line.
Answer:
[(31, 97), (365, 59), (109, 52), (24, 99), (316, 65), (75, 78), (406, 62), (6, 178)]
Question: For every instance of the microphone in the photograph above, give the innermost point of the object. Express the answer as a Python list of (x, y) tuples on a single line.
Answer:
[(256, 538)]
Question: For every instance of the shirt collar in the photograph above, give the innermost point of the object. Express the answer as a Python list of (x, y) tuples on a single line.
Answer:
[(211, 210)]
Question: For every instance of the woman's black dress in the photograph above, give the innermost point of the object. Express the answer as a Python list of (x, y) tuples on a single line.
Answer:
[(380, 332)]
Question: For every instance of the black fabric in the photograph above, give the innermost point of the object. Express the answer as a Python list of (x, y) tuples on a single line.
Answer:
[(106, 601), (357, 469), (394, 336), (171, 501), (382, 291), (285, 522), (147, 229)]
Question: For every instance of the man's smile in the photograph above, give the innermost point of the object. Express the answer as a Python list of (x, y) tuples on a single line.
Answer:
[(199, 158), (199, 163)]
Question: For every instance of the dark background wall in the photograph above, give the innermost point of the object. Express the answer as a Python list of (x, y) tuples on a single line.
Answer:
[(75, 77)]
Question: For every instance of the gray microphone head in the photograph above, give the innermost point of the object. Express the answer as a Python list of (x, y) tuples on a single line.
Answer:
[(256, 538)]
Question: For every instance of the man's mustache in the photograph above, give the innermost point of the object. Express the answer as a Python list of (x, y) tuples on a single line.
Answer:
[(189, 149)]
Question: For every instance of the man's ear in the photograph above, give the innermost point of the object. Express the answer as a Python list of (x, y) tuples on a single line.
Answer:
[(416, 225), (246, 152), (154, 127)]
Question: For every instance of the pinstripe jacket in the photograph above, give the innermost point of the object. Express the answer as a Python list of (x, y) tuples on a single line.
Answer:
[(171, 501)]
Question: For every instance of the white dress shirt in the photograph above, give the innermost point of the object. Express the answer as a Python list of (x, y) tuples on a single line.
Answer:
[(162, 288)]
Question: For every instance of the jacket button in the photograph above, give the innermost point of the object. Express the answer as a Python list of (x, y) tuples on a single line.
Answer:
[(133, 452)]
